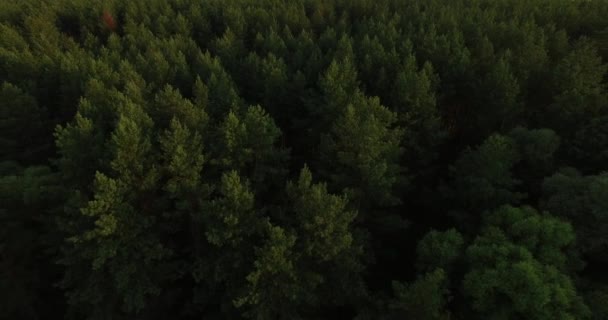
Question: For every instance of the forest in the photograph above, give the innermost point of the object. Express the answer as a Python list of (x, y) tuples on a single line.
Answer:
[(304, 159)]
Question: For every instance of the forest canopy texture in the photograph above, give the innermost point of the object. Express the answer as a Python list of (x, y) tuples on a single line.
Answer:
[(304, 159)]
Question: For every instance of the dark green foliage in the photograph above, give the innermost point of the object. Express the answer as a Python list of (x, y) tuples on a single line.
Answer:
[(323, 218), (597, 303), (537, 147), (269, 159), (274, 286), (413, 97), (439, 250), (361, 151), (424, 299), (30, 199), (589, 146), (583, 200), (517, 268), (579, 87), (22, 123), (310, 266), (482, 177), (498, 105)]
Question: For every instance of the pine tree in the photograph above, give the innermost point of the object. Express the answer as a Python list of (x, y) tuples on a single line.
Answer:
[(425, 298), (249, 145), (23, 123), (579, 90), (482, 177), (274, 288), (30, 198), (361, 152), (413, 99), (317, 260)]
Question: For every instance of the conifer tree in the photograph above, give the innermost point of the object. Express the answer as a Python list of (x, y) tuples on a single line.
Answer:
[(361, 152), (23, 123), (303, 159), (483, 178)]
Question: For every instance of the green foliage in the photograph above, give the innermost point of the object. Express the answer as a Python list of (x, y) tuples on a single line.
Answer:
[(580, 91), (517, 268), (157, 159), (273, 284), (537, 146), (362, 151), (499, 98), (169, 104), (425, 298), (118, 247), (482, 176), (248, 143), (222, 95), (583, 201), (596, 301), (232, 217), (588, 146), (30, 198), (182, 153), (338, 85), (23, 123), (414, 99), (309, 266), (439, 250), (322, 217)]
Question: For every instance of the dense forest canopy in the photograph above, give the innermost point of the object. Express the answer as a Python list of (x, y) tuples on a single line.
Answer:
[(304, 159)]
